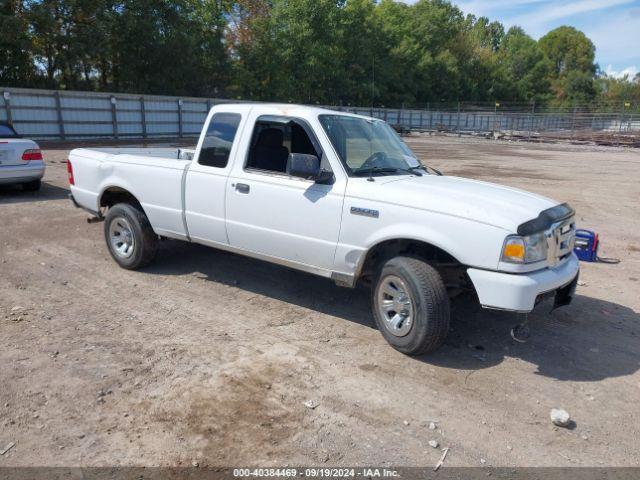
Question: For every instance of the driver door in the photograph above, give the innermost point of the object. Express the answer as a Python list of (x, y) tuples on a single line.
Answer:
[(273, 214)]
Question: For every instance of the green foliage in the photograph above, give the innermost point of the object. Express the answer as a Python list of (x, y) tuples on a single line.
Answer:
[(525, 67), (357, 52), (148, 46), (16, 65), (618, 91), (571, 55), (568, 49), (168, 47)]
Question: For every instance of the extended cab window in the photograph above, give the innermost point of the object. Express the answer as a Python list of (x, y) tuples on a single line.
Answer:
[(219, 139), (274, 138)]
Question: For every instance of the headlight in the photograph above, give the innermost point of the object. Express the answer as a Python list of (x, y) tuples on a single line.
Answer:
[(528, 249)]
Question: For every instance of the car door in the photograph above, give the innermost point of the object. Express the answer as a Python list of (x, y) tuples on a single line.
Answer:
[(206, 179), (274, 214)]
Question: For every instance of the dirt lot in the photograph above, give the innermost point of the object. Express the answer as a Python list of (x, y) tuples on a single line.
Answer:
[(209, 357)]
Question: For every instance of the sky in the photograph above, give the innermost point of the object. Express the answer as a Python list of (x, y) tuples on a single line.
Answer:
[(612, 25)]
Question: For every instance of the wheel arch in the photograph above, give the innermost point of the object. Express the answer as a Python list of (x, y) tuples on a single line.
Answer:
[(452, 270), (113, 194)]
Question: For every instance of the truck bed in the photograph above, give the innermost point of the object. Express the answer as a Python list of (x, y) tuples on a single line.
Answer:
[(154, 176), (160, 152)]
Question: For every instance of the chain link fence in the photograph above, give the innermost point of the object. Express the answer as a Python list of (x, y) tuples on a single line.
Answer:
[(62, 115), (602, 124)]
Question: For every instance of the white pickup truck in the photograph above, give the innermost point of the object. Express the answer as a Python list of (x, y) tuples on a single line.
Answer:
[(341, 196)]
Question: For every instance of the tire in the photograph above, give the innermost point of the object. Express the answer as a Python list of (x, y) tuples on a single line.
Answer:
[(130, 239), (414, 286), (33, 186)]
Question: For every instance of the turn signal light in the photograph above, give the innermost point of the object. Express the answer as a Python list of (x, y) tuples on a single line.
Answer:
[(514, 251)]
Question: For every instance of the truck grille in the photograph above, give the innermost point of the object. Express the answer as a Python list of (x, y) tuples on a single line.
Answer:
[(561, 238)]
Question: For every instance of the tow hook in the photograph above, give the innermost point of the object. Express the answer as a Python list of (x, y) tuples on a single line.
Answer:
[(521, 332)]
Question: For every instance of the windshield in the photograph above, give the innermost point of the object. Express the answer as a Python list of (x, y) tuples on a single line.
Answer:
[(367, 145)]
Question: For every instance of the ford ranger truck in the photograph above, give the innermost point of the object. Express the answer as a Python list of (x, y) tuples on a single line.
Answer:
[(341, 196)]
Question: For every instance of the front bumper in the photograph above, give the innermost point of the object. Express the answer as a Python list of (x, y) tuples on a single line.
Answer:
[(521, 292), (28, 172)]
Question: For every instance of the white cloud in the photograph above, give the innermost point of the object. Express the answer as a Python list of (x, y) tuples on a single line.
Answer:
[(615, 36), (630, 71), (486, 7), (554, 12)]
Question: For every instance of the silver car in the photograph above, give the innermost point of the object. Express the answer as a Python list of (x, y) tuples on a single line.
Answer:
[(20, 160)]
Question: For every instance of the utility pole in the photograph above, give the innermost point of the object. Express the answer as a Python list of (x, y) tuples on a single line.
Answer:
[(373, 82), (532, 118)]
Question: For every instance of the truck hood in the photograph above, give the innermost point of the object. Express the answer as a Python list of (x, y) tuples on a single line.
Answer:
[(483, 202)]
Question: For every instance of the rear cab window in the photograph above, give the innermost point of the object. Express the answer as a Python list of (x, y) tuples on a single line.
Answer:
[(219, 139)]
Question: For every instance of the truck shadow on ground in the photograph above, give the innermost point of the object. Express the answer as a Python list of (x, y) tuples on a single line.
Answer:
[(15, 194), (589, 340)]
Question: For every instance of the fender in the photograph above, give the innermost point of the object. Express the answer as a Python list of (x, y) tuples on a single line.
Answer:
[(472, 243)]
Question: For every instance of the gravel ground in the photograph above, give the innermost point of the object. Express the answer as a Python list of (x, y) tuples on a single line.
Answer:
[(209, 357)]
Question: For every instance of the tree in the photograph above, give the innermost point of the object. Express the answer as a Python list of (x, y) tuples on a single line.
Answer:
[(47, 25), (252, 50), (365, 55), (616, 91), (364, 52), (16, 64), (525, 66), (569, 49), (571, 55), (168, 47), (294, 53), (486, 34)]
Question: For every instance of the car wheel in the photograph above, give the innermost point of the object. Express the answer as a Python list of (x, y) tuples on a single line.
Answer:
[(130, 238), (411, 305), (33, 186)]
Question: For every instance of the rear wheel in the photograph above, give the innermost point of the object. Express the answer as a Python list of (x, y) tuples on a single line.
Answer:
[(129, 236), (411, 305), (33, 186)]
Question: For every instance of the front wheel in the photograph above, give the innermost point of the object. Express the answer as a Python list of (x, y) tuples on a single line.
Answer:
[(131, 241), (410, 305)]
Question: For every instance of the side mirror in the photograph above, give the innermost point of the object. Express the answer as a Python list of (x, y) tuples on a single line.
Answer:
[(303, 166)]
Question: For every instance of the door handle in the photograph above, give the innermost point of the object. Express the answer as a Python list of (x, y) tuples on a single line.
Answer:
[(242, 188)]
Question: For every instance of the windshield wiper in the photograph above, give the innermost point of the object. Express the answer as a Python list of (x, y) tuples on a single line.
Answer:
[(372, 170), (416, 168), (411, 170), (426, 169)]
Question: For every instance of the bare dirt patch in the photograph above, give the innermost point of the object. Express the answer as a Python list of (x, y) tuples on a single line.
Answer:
[(209, 357)]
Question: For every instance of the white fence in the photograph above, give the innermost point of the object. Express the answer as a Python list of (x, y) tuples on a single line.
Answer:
[(53, 114)]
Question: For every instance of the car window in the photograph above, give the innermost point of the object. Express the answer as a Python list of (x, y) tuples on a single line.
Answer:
[(363, 144), (274, 138), (7, 132), (218, 140)]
